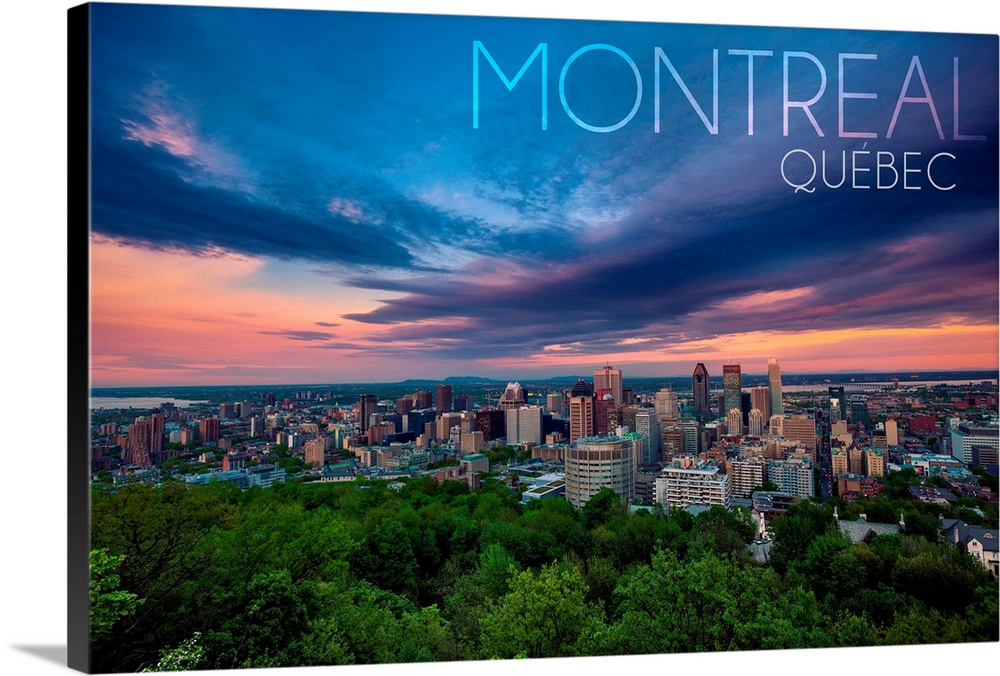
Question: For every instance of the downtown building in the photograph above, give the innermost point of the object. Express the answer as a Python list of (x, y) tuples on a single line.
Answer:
[(593, 463), (774, 388), (581, 411), (609, 378), (701, 399), (692, 483), (793, 475)]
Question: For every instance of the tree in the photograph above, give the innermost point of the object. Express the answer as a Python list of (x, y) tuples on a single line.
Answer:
[(543, 615), (108, 603)]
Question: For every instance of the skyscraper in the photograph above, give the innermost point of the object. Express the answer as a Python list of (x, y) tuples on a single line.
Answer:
[(838, 404), (665, 404), (369, 406), (701, 405), (597, 462), (512, 397), (760, 399), (581, 411), (443, 399), (774, 385), (609, 378), (732, 388)]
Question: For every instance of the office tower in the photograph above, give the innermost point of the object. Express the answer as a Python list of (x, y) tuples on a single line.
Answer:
[(732, 388), (800, 428), (760, 399), (442, 402), (594, 463), (268, 399), (512, 397), (424, 400), (859, 411), (609, 379), (647, 426), (463, 402), (774, 386), (554, 404), (404, 405), (628, 396), (756, 424), (701, 405), (604, 403), (745, 407), (492, 423), (581, 411), (838, 404), (209, 430), (368, 408), (524, 425), (227, 410), (666, 405)]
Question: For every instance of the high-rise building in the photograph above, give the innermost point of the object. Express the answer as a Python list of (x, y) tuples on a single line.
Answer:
[(609, 378), (145, 440), (404, 405), (209, 430), (647, 426), (838, 404), (604, 403), (315, 451), (756, 426), (512, 397), (745, 474), (524, 425), (581, 411), (666, 405), (368, 408), (891, 433), (701, 406), (423, 400), (492, 423), (463, 402), (554, 404), (774, 386), (800, 428), (442, 401), (734, 422), (859, 411), (760, 399), (732, 388), (595, 462)]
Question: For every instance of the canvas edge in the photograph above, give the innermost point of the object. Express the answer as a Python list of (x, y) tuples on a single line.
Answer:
[(78, 337)]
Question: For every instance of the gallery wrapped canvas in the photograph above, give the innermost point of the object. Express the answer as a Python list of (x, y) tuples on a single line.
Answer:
[(409, 338)]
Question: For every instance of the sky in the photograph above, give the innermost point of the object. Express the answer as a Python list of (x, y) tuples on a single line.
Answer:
[(296, 196), (35, 281)]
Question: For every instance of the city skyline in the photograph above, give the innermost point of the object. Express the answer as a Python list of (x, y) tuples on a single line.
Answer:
[(339, 239)]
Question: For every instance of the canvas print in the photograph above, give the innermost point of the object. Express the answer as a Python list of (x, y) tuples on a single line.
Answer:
[(426, 338)]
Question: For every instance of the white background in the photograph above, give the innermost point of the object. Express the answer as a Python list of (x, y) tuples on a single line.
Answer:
[(33, 188)]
